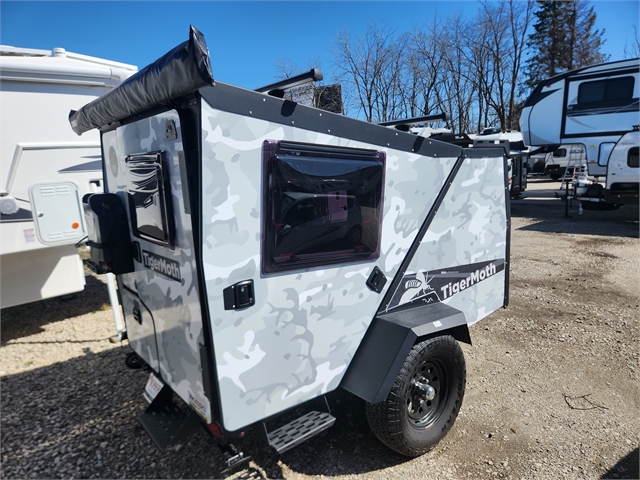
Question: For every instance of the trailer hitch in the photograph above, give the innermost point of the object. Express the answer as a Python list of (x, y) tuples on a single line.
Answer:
[(232, 456)]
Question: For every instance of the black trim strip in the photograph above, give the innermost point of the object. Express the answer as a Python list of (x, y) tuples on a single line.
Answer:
[(603, 74), (190, 113), (596, 134), (250, 104), (507, 252), (22, 215), (421, 233)]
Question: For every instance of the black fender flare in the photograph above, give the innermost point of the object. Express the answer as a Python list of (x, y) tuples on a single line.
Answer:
[(387, 343)]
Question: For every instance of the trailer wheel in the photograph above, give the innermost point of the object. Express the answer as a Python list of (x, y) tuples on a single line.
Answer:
[(133, 361), (355, 234), (425, 398), (555, 176)]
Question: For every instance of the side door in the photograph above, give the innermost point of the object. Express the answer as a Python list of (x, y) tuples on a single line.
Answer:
[(149, 156)]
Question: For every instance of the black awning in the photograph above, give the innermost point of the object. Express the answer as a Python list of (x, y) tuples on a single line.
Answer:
[(182, 70)]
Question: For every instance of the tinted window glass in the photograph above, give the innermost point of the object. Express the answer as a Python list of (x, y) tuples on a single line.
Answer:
[(561, 152), (632, 157), (322, 205), (590, 92), (619, 88), (147, 187), (606, 90)]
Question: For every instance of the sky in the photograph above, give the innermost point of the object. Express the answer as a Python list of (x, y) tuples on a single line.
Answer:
[(245, 38)]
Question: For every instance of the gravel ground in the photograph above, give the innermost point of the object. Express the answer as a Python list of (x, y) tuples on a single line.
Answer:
[(553, 386)]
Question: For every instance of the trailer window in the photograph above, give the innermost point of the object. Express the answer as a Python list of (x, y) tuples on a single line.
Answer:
[(561, 152), (322, 205), (632, 157), (149, 197), (610, 90)]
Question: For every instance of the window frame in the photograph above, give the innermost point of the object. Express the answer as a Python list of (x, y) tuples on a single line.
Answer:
[(629, 155), (608, 85), (556, 153), (153, 160), (275, 154)]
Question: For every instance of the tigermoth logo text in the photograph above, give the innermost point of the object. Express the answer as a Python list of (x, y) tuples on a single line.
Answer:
[(163, 266), (452, 288)]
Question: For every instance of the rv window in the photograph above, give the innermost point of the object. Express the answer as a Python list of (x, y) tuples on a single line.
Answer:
[(610, 90), (322, 205), (149, 197), (605, 152), (632, 157), (561, 152)]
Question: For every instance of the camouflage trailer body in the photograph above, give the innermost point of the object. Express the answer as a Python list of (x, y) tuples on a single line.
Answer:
[(270, 241)]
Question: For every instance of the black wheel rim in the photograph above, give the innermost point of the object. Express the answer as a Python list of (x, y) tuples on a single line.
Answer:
[(427, 393)]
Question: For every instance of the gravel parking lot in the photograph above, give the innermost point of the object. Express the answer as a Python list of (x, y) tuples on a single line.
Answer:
[(553, 386)]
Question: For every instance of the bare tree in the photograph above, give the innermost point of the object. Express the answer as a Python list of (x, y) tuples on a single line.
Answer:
[(633, 51), (370, 69), (505, 24), (427, 60)]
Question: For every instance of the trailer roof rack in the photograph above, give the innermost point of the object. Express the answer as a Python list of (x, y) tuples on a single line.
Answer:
[(405, 124), (277, 89)]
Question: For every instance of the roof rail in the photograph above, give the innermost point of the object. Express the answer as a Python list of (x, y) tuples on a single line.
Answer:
[(277, 89)]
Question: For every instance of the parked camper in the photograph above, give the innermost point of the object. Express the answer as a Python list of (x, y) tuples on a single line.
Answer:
[(597, 107), (515, 149), (242, 329), (623, 178), (565, 158), (510, 142), (45, 169)]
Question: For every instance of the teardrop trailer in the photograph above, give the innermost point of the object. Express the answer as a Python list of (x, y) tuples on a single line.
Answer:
[(269, 253)]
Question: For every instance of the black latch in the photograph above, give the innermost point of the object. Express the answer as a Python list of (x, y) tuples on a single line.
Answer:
[(239, 295), (376, 280)]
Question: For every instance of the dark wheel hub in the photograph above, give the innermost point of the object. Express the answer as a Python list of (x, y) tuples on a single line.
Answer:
[(424, 396)]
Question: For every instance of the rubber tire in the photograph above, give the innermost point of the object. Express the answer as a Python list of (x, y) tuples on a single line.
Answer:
[(389, 419), (555, 176), (354, 235), (133, 361)]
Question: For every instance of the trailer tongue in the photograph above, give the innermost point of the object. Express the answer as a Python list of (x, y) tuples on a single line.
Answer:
[(269, 253)]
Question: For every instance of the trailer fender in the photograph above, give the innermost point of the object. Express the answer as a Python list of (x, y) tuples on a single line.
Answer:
[(388, 341)]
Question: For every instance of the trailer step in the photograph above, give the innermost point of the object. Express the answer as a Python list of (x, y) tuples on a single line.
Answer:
[(299, 430), (165, 422)]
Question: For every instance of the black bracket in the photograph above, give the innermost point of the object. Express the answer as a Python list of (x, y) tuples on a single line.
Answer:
[(376, 280), (239, 295)]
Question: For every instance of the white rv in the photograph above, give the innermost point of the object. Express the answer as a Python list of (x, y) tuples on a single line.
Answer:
[(268, 253), (45, 169), (597, 107)]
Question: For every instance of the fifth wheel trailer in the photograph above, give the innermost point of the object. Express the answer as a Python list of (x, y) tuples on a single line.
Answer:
[(268, 253), (45, 169), (597, 107)]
